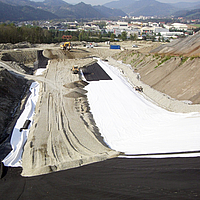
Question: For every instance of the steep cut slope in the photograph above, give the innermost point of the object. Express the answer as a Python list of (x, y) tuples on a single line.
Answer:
[(189, 46), (176, 76), (12, 89)]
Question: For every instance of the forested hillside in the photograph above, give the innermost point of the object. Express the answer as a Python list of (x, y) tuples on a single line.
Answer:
[(26, 10)]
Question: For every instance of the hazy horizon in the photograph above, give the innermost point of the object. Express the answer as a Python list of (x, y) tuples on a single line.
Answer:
[(97, 2)]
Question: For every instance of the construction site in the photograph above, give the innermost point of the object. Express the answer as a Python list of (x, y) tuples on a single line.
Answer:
[(81, 106)]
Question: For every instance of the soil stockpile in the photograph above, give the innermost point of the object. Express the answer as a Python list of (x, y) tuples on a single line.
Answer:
[(15, 46)]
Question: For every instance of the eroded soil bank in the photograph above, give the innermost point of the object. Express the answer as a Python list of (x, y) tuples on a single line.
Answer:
[(64, 134), (176, 76)]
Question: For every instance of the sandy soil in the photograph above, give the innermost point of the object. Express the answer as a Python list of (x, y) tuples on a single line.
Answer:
[(174, 178), (159, 98), (64, 134), (189, 46)]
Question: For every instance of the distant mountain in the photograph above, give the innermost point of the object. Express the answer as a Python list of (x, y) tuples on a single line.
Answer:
[(19, 2), (119, 4), (23, 13), (143, 7), (186, 5), (149, 8), (107, 12), (80, 10), (188, 14), (50, 9)]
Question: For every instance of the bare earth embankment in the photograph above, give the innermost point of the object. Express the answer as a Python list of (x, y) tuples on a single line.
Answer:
[(63, 122), (176, 77), (64, 134)]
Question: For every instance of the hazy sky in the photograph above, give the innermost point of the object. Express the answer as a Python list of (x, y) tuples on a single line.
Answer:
[(100, 2)]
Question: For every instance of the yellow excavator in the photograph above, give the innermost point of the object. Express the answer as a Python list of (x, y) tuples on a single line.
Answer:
[(75, 69), (66, 46)]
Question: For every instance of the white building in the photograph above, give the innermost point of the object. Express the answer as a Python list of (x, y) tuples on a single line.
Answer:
[(160, 30), (179, 26), (118, 27), (171, 34), (90, 26)]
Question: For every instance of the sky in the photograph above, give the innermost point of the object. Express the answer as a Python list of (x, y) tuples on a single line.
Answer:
[(101, 2)]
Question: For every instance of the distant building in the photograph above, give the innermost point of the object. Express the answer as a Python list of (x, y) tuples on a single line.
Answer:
[(179, 26), (118, 27), (160, 30)]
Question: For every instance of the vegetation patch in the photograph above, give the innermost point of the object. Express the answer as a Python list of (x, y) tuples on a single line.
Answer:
[(166, 58), (183, 59), (193, 57)]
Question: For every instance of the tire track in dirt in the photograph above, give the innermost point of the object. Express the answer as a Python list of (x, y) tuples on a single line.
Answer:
[(60, 138)]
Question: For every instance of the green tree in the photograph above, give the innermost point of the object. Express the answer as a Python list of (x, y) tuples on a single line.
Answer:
[(134, 37), (99, 36), (124, 35), (112, 37)]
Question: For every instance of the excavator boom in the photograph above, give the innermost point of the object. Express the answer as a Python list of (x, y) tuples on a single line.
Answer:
[(66, 46)]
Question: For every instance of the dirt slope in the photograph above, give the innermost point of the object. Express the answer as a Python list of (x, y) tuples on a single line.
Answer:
[(178, 77), (64, 134), (12, 91), (189, 46), (171, 68)]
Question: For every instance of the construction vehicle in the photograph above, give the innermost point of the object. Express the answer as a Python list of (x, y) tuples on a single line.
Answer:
[(75, 69), (66, 46), (139, 88)]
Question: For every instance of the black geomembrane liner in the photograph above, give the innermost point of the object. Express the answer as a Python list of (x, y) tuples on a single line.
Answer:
[(94, 72)]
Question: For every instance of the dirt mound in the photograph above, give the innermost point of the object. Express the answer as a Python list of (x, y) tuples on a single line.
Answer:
[(76, 93), (24, 57), (15, 46), (62, 54), (79, 84), (189, 46)]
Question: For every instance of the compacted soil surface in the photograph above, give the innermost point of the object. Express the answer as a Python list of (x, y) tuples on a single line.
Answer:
[(64, 138)]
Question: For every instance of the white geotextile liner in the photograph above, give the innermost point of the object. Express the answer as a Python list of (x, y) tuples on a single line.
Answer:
[(40, 71), (129, 123), (18, 139)]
